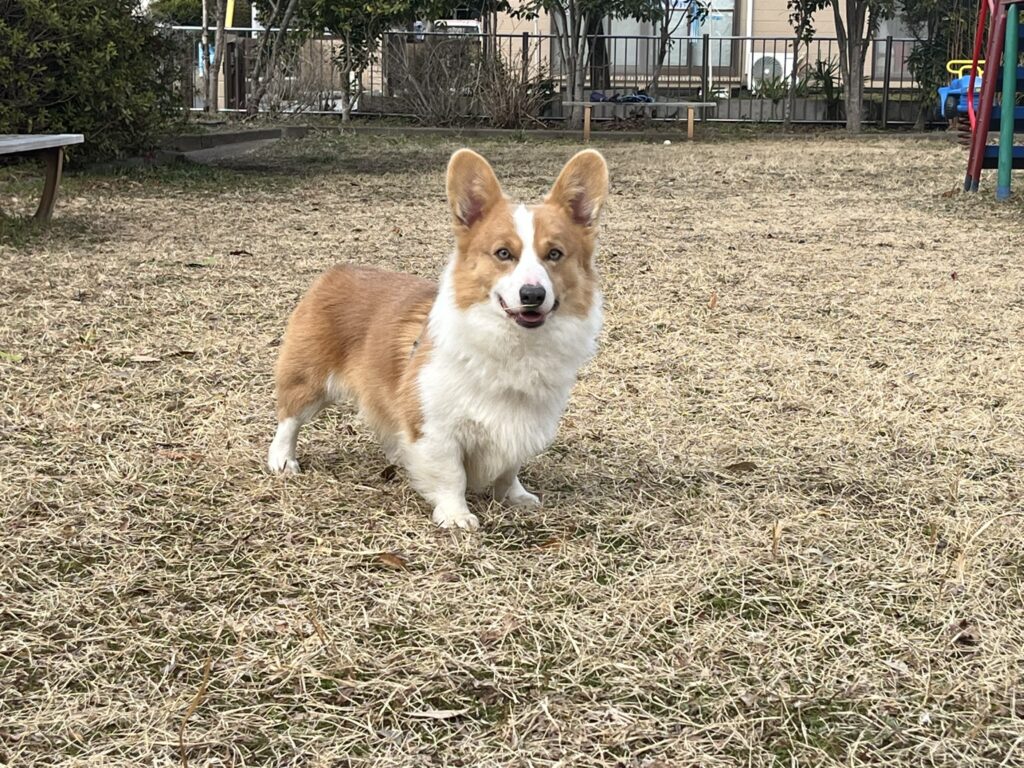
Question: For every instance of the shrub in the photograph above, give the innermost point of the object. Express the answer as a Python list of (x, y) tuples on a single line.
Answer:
[(187, 13), (439, 78), (510, 95), (96, 67)]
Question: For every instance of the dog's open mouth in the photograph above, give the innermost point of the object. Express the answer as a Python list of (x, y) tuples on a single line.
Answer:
[(527, 317)]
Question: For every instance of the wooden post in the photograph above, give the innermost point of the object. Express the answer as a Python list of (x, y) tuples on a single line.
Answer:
[(586, 123), (689, 123), (54, 158)]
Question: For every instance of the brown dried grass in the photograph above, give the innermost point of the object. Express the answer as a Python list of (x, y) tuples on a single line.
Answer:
[(781, 521)]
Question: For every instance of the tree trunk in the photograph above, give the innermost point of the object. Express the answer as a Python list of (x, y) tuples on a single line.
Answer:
[(218, 56), (572, 44), (206, 56), (852, 51), (659, 64), (854, 103)]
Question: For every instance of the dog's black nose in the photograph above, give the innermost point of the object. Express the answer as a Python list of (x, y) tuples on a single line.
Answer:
[(532, 295)]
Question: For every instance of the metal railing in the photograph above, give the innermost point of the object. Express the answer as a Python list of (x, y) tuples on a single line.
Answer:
[(444, 77)]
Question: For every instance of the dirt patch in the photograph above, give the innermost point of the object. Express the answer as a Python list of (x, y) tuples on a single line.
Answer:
[(786, 486)]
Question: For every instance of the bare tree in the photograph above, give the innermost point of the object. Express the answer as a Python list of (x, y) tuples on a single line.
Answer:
[(856, 25), (669, 24), (275, 16), (572, 20)]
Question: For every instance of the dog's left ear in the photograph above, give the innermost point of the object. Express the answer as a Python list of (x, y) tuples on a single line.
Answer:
[(582, 187)]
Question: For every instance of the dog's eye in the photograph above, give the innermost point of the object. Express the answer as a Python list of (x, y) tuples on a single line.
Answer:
[(503, 254), (554, 254)]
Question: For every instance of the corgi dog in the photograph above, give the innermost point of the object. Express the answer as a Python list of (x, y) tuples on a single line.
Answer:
[(466, 379)]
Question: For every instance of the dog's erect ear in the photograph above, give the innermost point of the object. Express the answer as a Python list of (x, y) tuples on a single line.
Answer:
[(473, 189), (582, 187)]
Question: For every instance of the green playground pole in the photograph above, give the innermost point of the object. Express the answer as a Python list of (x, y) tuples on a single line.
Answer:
[(1009, 100)]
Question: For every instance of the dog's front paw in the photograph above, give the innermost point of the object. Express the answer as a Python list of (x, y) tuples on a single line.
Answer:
[(280, 463), (455, 516), (520, 497)]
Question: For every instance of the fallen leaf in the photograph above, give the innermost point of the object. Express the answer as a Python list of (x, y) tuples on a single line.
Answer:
[(391, 560), (11, 357), (965, 635), (440, 714), (550, 544), (897, 666), (179, 455), (741, 466), (713, 301)]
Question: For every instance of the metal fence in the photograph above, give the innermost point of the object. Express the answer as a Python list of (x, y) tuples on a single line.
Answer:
[(442, 78)]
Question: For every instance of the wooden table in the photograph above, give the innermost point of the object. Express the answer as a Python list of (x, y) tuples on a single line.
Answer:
[(51, 148), (689, 106)]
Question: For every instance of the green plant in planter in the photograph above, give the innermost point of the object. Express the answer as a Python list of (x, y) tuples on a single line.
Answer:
[(774, 88), (823, 78)]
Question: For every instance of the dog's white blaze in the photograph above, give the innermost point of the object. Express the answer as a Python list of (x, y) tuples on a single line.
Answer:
[(529, 270)]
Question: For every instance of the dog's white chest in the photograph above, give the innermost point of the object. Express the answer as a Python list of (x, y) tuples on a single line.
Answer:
[(497, 418), (497, 393)]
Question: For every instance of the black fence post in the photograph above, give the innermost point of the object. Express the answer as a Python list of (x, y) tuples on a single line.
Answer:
[(526, 57), (705, 74), (885, 83)]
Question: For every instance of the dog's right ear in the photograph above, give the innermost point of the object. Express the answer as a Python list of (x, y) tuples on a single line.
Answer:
[(473, 189)]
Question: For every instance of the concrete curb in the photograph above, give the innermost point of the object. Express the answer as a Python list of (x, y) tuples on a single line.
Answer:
[(194, 141), (511, 133)]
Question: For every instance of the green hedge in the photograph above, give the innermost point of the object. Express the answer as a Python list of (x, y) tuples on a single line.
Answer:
[(184, 12), (96, 67)]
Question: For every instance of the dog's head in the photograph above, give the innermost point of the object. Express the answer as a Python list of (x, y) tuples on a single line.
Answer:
[(527, 262)]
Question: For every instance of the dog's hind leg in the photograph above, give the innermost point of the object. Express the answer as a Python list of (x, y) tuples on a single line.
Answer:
[(297, 403), (281, 456), (509, 490)]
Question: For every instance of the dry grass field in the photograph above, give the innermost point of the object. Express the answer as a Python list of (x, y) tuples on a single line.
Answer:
[(781, 522)]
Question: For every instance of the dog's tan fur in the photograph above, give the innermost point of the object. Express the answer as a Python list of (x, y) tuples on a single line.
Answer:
[(357, 327)]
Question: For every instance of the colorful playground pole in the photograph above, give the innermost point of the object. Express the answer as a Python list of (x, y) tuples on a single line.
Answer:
[(979, 130), (1006, 108)]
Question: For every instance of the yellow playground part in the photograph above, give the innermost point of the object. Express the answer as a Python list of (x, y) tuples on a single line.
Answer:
[(961, 67)]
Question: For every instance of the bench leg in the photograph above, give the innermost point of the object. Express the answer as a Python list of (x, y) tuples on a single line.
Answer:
[(54, 158), (689, 123), (586, 124)]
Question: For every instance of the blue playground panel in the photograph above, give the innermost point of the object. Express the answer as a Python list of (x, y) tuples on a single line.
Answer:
[(991, 158), (956, 94), (953, 97)]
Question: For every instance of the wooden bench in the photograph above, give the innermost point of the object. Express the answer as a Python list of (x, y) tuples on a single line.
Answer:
[(689, 106), (51, 148)]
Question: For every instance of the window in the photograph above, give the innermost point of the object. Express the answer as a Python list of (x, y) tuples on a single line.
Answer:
[(903, 43), (719, 23), (687, 46)]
